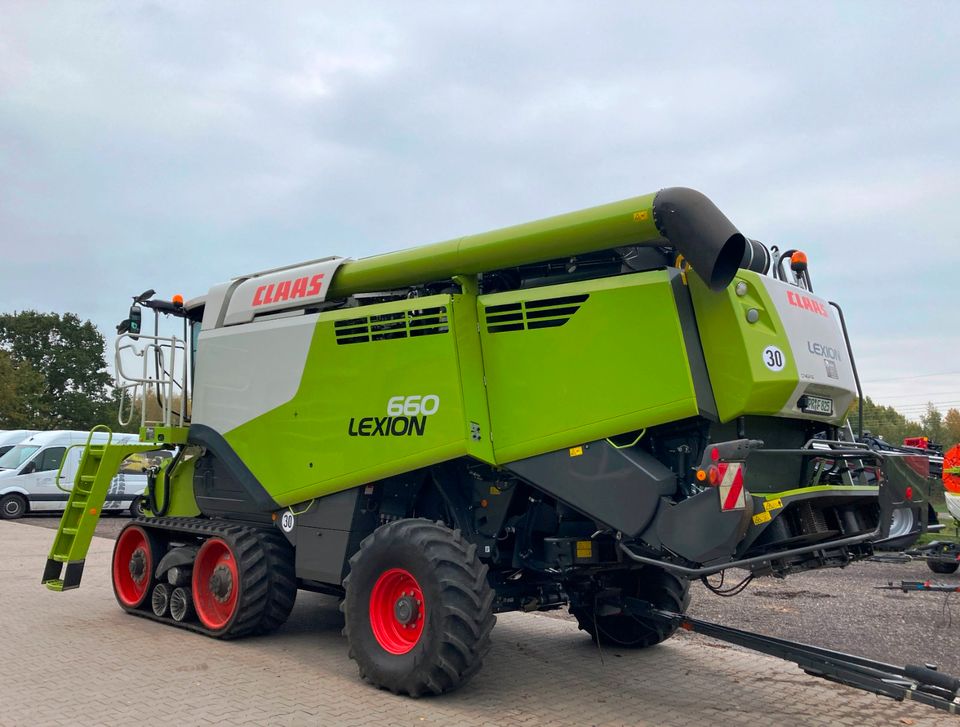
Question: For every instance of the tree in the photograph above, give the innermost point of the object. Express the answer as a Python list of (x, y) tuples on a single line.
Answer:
[(932, 424), (21, 395), (69, 354), (951, 427), (883, 421)]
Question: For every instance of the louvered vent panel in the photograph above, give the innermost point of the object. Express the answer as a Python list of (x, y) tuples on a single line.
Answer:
[(387, 326), (531, 314)]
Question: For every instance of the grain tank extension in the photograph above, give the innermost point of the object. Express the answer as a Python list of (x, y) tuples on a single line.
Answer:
[(581, 412)]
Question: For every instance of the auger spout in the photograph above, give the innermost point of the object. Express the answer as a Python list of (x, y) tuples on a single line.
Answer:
[(676, 216)]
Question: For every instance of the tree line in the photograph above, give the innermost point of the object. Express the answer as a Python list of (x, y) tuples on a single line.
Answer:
[(53, 373)]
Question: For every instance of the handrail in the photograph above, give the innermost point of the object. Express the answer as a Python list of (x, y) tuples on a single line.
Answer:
[(86, 446), (163, 352)]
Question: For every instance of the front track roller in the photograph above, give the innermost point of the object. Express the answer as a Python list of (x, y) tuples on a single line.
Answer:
[(242, 580), (418, 608), (614, 627)]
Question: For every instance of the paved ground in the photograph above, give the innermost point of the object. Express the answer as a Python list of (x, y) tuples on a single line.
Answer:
[(75, 658)]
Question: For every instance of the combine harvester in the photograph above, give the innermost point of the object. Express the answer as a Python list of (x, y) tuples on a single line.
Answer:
[(587, 412)]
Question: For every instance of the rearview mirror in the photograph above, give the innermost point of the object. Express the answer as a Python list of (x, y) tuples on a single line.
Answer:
[(132, 324)]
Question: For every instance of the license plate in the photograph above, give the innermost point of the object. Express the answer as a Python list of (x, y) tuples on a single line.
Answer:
[(816, 405)]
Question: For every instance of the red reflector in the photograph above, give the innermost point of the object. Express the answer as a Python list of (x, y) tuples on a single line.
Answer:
[(714, 475), (715, 454), (909, 493)]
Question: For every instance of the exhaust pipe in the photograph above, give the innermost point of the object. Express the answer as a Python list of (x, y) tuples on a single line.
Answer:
[(677, 217)]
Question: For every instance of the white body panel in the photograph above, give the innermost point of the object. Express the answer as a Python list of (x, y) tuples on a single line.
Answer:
[(245, 372), (819, 350), (953, 504), (277, 290), (38, 458)]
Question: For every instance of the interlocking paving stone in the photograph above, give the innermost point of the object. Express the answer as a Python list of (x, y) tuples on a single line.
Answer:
[(76, 658)]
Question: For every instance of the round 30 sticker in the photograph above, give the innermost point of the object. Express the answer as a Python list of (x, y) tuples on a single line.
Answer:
[(774, 359), (287, 521)]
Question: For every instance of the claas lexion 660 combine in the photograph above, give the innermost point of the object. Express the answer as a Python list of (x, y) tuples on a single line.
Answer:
[(586, 411)]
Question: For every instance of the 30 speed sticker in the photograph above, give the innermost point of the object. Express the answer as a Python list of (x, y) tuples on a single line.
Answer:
[(774, 359)]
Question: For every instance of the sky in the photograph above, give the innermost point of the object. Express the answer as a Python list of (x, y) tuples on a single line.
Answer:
[(175, 145)]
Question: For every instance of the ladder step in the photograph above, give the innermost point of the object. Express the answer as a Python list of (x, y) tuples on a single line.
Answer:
[(54, 585), (88, 478), (69, 531), (78, 505)]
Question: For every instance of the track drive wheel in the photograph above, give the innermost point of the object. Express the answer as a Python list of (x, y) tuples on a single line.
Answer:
[(623, 630), (418, 608), (135, 557), (242, 583)]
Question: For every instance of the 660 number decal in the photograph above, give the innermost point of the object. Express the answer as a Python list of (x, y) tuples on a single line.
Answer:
[(406, 417), (412, 406)]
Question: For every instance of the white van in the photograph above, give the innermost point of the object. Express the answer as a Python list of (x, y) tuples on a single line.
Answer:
[(28, 473), (10, 437)]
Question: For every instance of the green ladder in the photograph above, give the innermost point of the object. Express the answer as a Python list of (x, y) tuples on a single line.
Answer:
[(99, 464)]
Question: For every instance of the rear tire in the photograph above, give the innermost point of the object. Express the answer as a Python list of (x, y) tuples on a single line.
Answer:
[(941, 567), (662, 589), (12, 506), (418, 609), (136, 507)]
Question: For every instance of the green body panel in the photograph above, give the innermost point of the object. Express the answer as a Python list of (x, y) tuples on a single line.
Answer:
[(182, 501), (466, 328), (617, 364), (733, 347), (305, 448), (604, 227), (820, 488)]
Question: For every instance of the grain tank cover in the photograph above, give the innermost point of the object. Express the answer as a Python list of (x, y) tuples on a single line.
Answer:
[(281, 289)]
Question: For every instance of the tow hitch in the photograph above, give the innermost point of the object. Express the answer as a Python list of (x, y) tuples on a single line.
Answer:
[(922, 684)]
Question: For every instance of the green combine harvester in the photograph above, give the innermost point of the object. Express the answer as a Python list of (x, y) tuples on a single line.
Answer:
[(583, 412)]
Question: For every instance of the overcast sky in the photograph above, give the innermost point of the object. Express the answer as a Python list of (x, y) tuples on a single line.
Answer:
[(176, 145)]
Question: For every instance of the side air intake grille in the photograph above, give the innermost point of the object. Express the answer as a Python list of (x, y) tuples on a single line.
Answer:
[(402, 324), (530, 314)]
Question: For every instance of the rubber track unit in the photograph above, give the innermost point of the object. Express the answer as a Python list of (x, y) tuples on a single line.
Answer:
[(457, 634), (265, 559)]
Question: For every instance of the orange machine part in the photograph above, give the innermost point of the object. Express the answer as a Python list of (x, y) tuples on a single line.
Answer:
[(951, 460)]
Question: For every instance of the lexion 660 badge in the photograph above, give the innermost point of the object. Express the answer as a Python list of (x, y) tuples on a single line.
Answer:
[(406, 417)]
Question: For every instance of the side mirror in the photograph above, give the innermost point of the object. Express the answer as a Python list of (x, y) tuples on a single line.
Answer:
[(29, 467), (132, 324)]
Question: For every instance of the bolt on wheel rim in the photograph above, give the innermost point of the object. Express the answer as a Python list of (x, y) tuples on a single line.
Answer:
[(397, 611), (132, 565), (215, 584)]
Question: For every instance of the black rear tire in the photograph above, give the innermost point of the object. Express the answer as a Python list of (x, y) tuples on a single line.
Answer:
[(622, 630), (456, 616), (941, 567)]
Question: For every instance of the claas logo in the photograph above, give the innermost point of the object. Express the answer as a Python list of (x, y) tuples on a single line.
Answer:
[(288, 290)]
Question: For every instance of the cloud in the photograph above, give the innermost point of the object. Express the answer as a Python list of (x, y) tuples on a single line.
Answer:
[(175, 145)]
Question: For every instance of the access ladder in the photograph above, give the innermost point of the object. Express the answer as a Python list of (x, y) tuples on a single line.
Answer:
[(99, 464)]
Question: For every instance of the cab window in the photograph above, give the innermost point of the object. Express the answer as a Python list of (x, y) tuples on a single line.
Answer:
[(50, 459)]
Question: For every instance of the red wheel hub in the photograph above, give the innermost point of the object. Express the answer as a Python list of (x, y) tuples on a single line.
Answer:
[(132, 566), (215, 584), (397, 611)]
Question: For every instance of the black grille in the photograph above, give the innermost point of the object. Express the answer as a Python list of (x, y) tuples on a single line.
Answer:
[(531, 314), (387, 326)]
